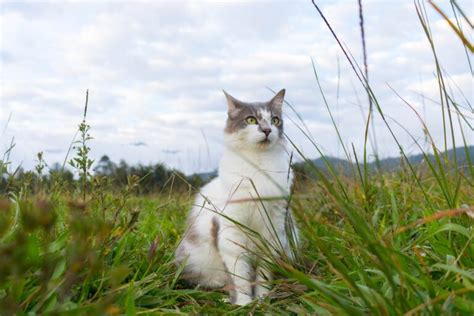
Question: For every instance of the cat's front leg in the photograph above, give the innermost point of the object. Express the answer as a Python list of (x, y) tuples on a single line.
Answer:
[(263, 280), (232, 249)]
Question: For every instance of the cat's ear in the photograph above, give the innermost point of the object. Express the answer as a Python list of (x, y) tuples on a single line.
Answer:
[(277, 101), (232, 103)]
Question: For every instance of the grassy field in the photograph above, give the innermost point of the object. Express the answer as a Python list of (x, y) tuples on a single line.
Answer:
[(373, 242), (377, 248)]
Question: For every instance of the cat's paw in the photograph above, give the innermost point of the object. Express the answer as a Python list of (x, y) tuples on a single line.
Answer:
[(242, 299), (261, 292)]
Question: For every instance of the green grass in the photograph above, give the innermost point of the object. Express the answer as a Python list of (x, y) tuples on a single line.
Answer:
[(62, 256), (373, 242)]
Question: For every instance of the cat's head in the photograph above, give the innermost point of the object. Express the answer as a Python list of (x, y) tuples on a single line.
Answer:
[(254, 124)]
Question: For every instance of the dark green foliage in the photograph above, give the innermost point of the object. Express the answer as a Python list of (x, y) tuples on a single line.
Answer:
[(154, 178)]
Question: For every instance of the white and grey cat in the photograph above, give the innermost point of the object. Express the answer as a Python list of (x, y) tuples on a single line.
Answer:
[(250, 194)]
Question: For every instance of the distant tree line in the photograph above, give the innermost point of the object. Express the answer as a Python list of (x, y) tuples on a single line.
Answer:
[(156, 178), (153, 178)]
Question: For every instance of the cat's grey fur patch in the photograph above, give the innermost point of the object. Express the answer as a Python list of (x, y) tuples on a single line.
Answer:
[(241, 110), (215, 232)]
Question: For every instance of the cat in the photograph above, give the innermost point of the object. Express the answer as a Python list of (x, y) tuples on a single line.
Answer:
[(250, 193)]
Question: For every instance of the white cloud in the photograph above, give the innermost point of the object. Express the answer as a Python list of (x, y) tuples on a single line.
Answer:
[(155, 71)]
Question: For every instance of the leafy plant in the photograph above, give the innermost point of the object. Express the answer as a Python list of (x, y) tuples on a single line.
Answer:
[(82, 163)]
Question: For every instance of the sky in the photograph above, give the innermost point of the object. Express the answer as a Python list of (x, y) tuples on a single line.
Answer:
[(155, 71)]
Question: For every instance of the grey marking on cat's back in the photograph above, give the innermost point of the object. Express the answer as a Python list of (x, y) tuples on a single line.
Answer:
[(215, 232)]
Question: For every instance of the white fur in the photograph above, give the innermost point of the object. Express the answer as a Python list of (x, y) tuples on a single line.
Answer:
[(249, 172)]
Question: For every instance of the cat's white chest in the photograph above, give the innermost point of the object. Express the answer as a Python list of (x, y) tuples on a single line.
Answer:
[(255, 187), (257, 175)]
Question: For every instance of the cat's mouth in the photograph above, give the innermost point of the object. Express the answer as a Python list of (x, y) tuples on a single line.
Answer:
[(265, 141)]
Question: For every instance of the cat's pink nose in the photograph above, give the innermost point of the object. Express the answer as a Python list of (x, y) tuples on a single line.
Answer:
[(267, 131)]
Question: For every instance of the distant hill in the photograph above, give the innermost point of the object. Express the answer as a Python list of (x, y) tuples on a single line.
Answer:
[(390, 164), (387, 164)]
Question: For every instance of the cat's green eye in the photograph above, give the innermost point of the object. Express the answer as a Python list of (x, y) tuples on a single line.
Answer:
[(275, 121), (251, 120)]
